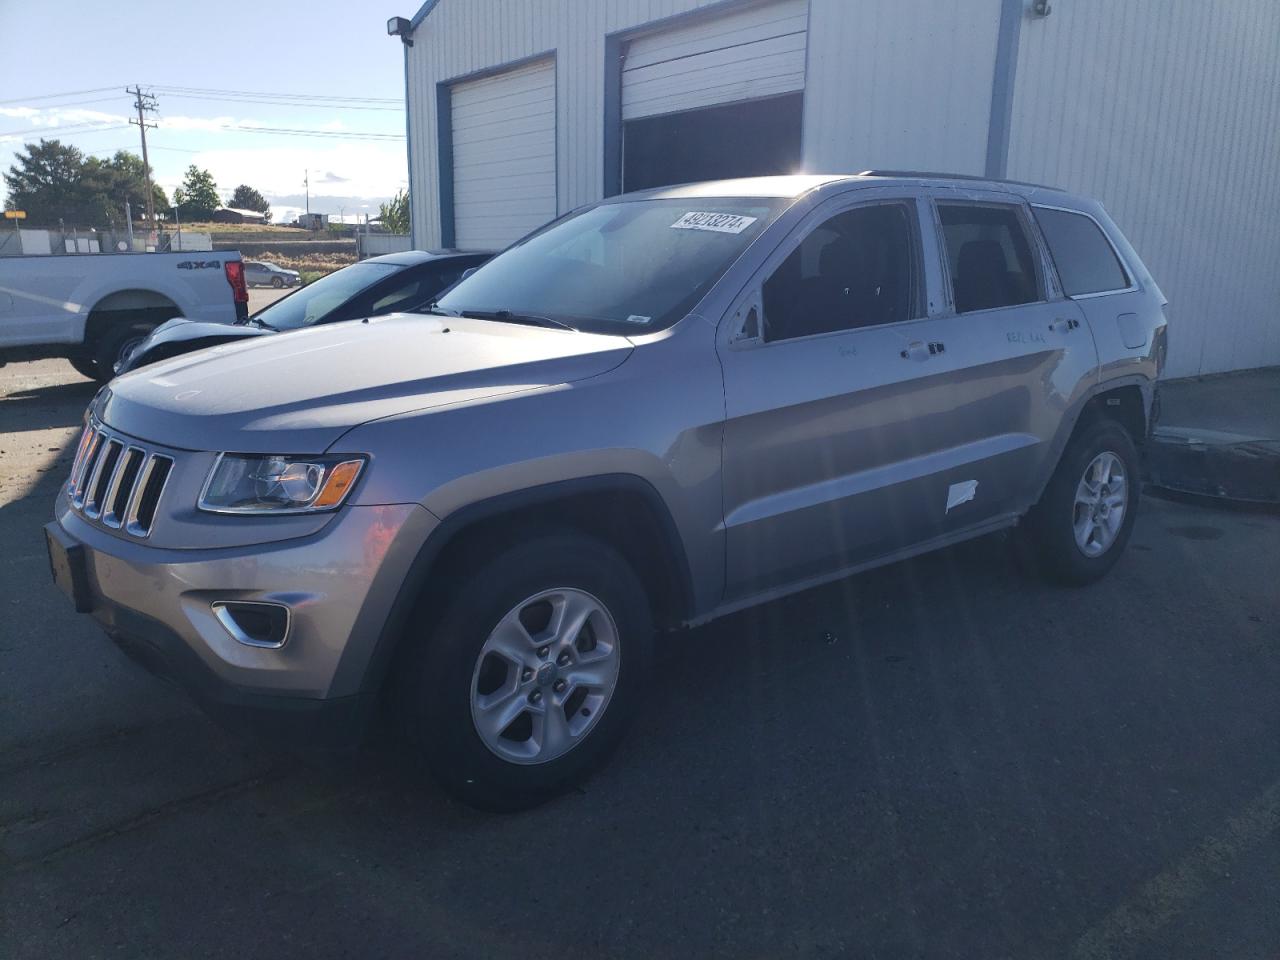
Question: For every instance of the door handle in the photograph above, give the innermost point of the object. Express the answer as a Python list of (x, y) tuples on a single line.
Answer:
[(919, 350), (1063, 324)]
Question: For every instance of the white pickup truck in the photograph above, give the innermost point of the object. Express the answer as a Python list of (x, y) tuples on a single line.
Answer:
[(94, 309)]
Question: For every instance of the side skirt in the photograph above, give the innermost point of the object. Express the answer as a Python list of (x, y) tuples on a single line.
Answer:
[(993, 525)]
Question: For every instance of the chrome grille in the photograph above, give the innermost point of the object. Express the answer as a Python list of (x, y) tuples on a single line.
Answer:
[(116, 482)]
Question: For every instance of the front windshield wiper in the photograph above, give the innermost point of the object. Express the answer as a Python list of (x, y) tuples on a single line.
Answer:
[(258, 322), (509, 316)]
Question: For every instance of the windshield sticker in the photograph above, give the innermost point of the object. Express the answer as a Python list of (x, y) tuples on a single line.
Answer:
[(636, 318), (715, 222)]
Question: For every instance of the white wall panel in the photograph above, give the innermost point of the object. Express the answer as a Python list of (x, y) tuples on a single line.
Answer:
[(899, 84), (1169, 112)]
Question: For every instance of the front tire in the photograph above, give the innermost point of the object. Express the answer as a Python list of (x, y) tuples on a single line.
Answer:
[(277, 282), (535, 664), (117, 345), (1085, 517)]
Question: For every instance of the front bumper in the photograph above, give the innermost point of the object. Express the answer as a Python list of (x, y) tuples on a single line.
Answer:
[(339, 584)]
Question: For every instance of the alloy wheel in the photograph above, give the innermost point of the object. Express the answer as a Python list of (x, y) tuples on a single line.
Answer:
[(545, 675), (1101, 500), (125, 352)]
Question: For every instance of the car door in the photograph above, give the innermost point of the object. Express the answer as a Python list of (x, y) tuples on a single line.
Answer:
[(822, 407), (1025, 354), (254, 273), (870, 431)]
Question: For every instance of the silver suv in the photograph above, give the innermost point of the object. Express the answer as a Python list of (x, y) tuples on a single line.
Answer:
[(651, 412)]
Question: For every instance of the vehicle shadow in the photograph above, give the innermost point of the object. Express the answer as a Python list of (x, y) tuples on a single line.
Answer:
[(44, 407)]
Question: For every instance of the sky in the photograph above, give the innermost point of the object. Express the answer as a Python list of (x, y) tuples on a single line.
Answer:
[(213, 68)]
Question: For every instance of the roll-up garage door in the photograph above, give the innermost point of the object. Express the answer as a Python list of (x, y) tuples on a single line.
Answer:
[(755, 52), (504, 155)]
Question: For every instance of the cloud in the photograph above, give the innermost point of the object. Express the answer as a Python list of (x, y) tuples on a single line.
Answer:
[(342, 173)]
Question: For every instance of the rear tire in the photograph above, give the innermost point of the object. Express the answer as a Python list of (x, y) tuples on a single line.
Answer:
[(85, 366), (506, 702), (116, 345), (1080, 527)]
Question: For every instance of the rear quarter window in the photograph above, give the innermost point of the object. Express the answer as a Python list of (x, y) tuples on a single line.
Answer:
[(1086, 261)]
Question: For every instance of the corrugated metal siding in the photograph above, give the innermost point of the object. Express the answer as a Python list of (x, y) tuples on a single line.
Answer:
[(745, 54), (866, 59), (465, 36), (900, 84), (504, 155), (1169, 112)]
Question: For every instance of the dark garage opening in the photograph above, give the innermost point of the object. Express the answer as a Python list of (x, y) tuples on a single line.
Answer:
[(750, 139)]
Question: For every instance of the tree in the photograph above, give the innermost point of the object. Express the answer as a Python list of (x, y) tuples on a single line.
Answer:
[(245, 197), (129, 182), (50, 183), (395, 215), (197, 198), (55, 182)]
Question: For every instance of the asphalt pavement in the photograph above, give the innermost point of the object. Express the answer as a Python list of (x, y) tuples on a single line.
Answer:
[(260, 297), (944, 758)]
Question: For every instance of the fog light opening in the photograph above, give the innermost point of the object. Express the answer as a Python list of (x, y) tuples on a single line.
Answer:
[(254, 623)]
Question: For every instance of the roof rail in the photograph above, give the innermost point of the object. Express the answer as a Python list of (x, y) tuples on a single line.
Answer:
[(931, 175)]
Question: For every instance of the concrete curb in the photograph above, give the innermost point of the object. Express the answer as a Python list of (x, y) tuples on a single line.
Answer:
[(1213, 466)]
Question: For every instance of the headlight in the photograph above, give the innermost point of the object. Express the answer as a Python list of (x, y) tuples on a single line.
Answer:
[(279, 484)]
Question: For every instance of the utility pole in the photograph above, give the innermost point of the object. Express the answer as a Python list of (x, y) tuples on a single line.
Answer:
[(306, 182), (145, 103)]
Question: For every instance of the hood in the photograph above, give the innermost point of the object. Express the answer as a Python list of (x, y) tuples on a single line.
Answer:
[(180, 330), (299, 391)]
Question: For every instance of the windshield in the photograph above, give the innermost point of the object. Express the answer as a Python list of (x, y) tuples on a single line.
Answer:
[(315, 301), (623, 267)]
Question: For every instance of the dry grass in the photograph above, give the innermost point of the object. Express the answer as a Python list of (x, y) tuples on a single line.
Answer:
[(285, 233), (317, 263)]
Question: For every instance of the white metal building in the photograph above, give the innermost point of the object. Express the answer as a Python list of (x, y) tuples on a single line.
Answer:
[(1167, 110)]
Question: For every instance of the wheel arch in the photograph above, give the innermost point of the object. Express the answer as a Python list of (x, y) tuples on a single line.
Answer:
[(1126, 403), (623, 510), (132, 304), (1127, 400)]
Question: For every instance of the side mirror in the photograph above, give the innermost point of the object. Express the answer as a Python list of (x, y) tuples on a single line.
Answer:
[(467, 272)]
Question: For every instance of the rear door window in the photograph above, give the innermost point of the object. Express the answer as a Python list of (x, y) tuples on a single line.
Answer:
[(989, 256), (1086, 261)]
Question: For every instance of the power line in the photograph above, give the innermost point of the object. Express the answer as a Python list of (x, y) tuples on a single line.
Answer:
[(57, 96), (275, 94), (339, 134), (81, 103), (75, 128), (283, 103), (83, 128)]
